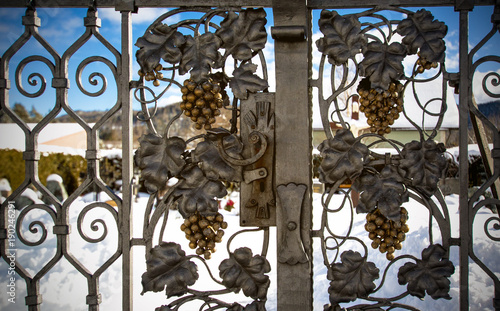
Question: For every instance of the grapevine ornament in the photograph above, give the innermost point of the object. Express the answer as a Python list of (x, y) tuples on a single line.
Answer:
[(154, 75), (381, 107), (386, 235), (423, 64), (201, 102), (203, 232)]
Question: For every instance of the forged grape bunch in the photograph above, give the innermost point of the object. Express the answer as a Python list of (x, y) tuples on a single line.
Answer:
[(381, 108), (201, 102), (203, 232), (387, 235), (423, 64), (154, 75)]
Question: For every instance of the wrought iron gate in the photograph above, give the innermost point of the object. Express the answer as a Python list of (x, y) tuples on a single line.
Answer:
[(266, 148)]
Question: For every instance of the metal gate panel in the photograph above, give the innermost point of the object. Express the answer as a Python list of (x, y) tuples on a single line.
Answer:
[(267, 149)]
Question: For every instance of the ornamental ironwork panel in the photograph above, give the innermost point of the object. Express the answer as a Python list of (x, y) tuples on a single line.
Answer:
[(347, 245), (362, 56)]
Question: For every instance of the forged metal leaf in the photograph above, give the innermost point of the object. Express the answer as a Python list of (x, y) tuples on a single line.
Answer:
[(246, 272), (244, 80), (429, 274), (163, 308), (382, 63), (213, 165), (195, 192), (254, 306), (343, 156), (385, 191), (161, 42), (421, 31), (169, 268), (342, 39), (159, 159), (352, 278), (338, 308), (243, 33), (424, 163), (200, 54)]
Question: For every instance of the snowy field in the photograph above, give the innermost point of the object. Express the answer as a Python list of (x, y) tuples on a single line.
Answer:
[(64, 288)]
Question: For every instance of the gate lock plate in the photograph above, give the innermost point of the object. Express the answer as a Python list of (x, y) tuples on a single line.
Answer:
[(258, 203)]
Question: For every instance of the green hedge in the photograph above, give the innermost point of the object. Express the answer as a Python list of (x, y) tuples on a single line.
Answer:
[(72, 168)]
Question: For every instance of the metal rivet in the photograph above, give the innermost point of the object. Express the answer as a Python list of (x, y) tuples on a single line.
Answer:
[(292, 226)]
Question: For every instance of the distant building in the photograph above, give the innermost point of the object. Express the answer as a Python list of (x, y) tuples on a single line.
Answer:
[(402, 129), (69, 138)]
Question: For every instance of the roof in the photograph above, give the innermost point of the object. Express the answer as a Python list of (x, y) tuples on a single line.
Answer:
[(55, 137)]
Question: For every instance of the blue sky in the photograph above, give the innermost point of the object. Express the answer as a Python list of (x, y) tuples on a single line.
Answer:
[(61, 27)]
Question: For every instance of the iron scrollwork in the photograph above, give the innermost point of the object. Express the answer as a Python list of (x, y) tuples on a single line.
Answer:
[(364, 54), (193, 47)]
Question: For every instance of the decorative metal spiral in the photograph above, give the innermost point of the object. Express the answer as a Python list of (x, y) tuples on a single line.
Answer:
[(33, 78), (96, 224), (34, 225), (92, 77), (495, 81), (496, 226)]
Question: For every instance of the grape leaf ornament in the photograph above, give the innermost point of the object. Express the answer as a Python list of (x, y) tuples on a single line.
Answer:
[(342, 38), (169, 268), (343, 156), (383, 63), (195, 192), (430, 274), (213, 165), (384, 191), (352, 278), (200, 54), (424, 163), (245, 80), (159, 159), (422, 32), (160, 42), (246, 272), (254, 306), (243, 33)]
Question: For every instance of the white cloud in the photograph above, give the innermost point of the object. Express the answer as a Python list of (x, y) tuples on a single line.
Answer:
[(452, 61), (149, 15)]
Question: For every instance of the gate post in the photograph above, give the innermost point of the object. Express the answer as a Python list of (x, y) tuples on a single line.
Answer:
[(125, 96), (293, 145)]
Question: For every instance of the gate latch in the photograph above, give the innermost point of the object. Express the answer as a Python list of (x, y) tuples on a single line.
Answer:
[(258, 204)]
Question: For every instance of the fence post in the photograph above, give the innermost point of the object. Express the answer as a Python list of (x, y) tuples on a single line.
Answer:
[(464, 99), (293, 164), (125, 96)]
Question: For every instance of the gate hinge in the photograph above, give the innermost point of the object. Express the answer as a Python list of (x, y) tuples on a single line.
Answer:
[(289, 33)]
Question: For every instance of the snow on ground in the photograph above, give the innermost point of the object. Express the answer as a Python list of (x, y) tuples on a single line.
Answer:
[(64, 288)]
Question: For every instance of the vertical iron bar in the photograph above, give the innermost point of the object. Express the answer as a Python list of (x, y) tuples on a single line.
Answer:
[(464, 97), (125, 75), (293, 142)]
